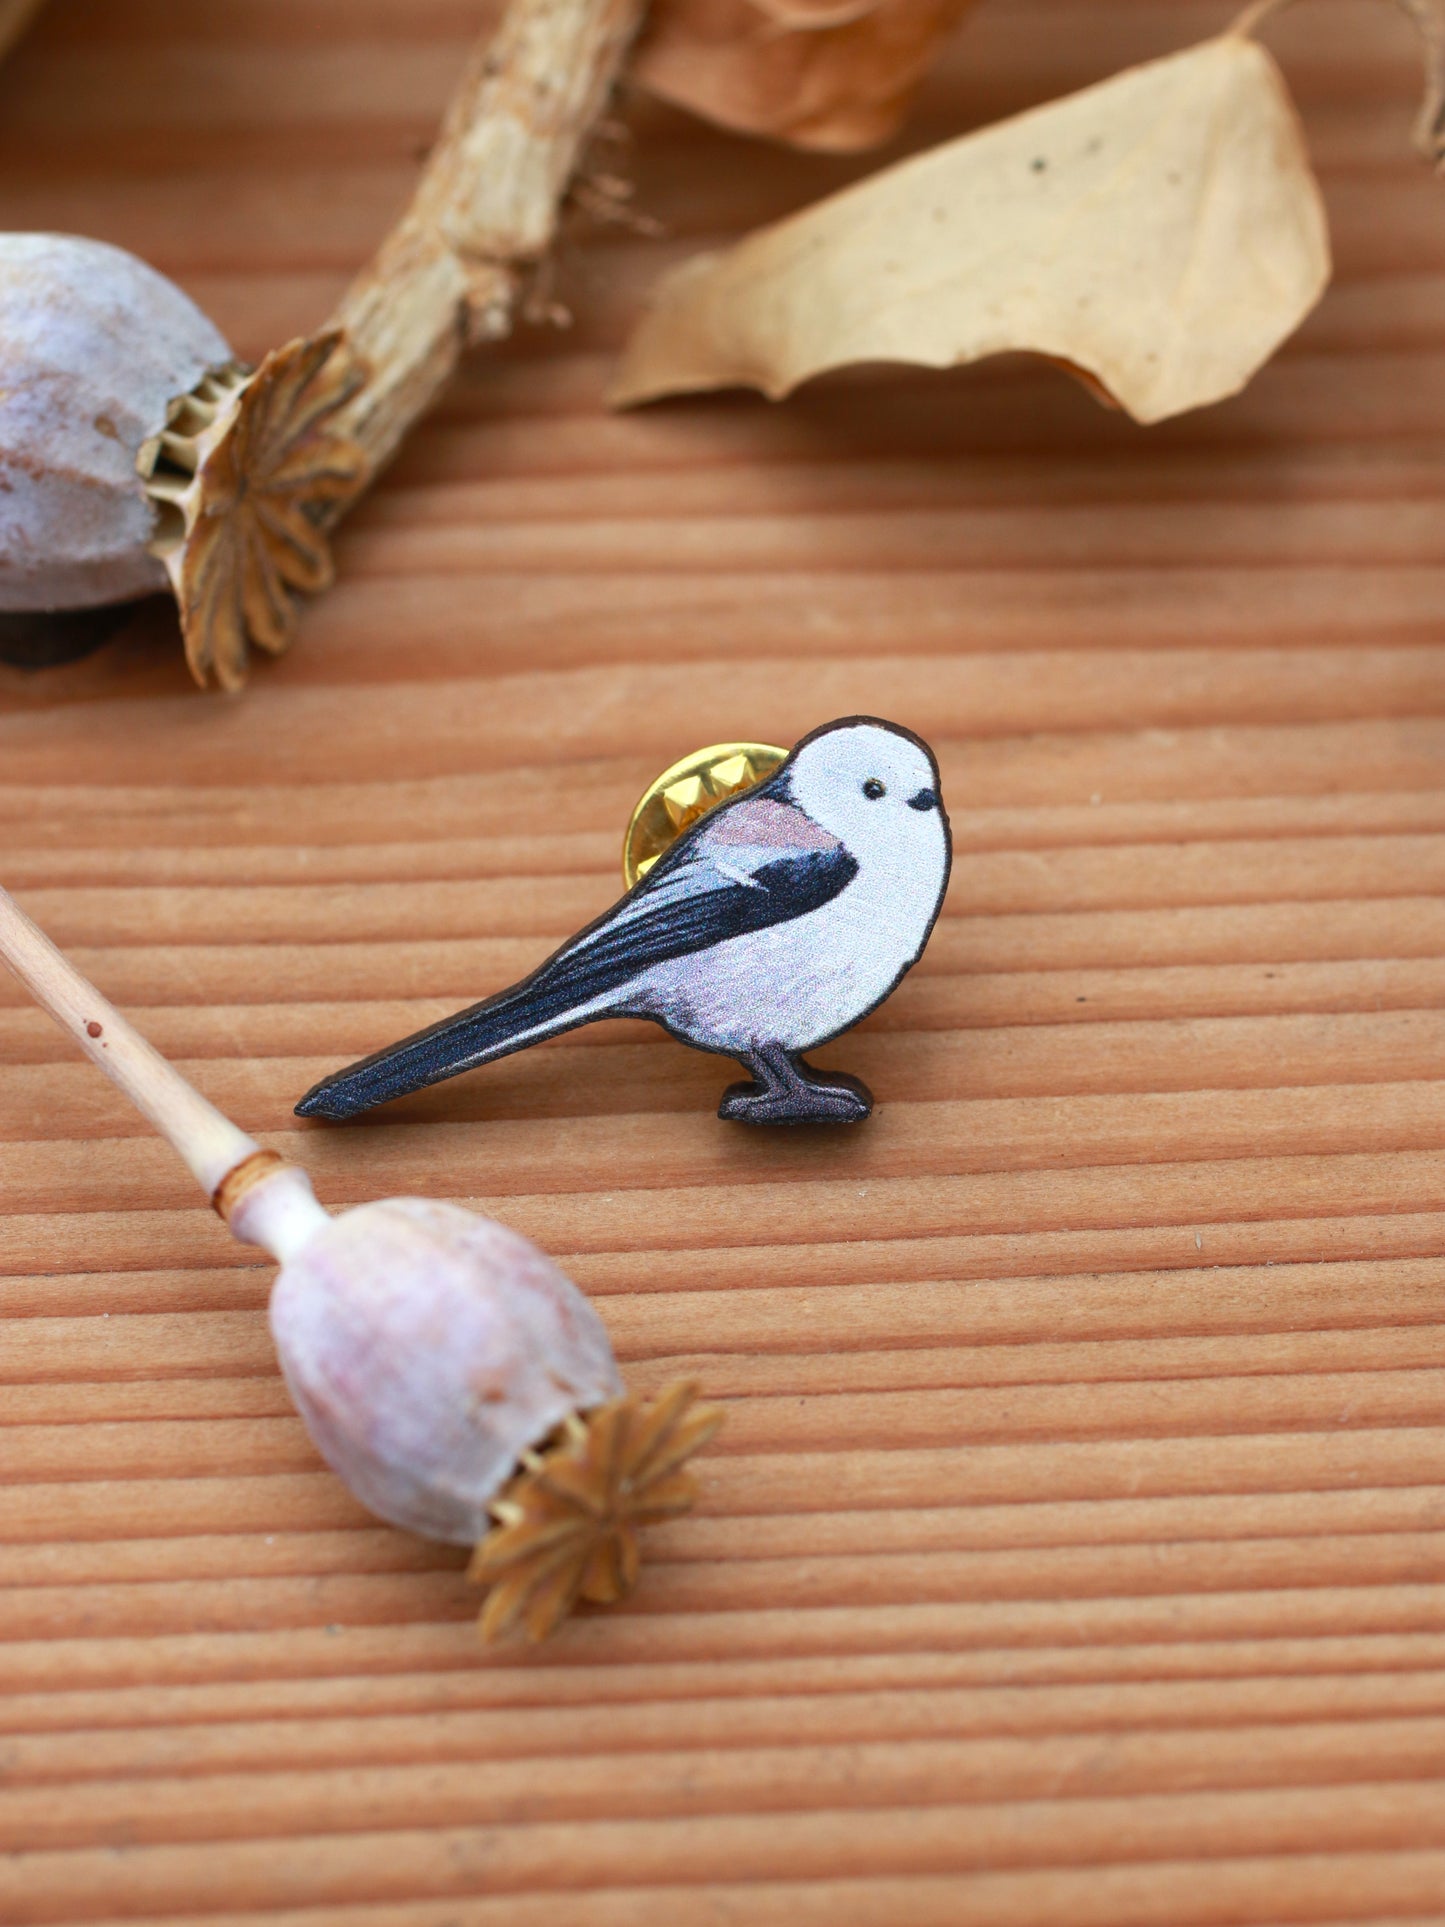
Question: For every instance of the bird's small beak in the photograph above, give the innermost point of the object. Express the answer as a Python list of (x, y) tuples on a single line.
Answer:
[(925, 800)]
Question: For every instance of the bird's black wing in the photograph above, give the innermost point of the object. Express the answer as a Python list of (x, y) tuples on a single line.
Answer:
[(703, 892), (681, 919)]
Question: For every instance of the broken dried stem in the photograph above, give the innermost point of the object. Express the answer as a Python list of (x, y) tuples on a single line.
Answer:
[(245, 511), (1429, 20), (485, 212)]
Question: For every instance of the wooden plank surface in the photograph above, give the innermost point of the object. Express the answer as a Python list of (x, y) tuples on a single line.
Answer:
[(1074, 1550)]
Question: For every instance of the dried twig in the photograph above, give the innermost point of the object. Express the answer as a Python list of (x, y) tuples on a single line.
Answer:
[(249, 482)]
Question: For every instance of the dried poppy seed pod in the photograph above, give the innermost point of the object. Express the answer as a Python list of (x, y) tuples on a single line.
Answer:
[(96, 348), (456, 1380), (464, 1389), (427, 1349)]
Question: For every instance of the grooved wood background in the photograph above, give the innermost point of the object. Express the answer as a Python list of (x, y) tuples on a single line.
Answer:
[(1074, 1555)]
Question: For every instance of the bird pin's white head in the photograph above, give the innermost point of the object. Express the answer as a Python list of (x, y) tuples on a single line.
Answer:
[(875, 787)]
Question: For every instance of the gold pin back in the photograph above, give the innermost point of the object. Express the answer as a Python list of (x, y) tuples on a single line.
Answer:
[(687, 790)]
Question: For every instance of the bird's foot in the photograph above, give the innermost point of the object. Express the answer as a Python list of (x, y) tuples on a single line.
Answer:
[(802, 1098)]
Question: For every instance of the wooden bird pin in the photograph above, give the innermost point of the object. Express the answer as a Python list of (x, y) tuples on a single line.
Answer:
[(774, 923)]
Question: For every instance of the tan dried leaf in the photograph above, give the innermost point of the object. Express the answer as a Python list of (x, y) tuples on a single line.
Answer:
[(1161, 233), (819, 73)]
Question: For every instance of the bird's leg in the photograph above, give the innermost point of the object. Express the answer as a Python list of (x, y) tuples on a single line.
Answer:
[(787, 1090)]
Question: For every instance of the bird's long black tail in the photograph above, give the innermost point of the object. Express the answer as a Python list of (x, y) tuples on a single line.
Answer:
[(507, 1022)]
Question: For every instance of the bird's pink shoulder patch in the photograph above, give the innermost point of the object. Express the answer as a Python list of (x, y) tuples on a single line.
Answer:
[(760, 821)]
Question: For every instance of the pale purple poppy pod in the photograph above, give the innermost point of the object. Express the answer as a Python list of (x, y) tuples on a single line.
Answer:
[(427, 1349), (458, 1383), (95, 348)]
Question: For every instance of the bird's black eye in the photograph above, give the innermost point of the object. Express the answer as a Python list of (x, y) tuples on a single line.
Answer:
[(873, 789)]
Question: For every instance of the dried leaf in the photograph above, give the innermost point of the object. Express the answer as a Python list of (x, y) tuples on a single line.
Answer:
[(1160, 233), (819, 73)]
